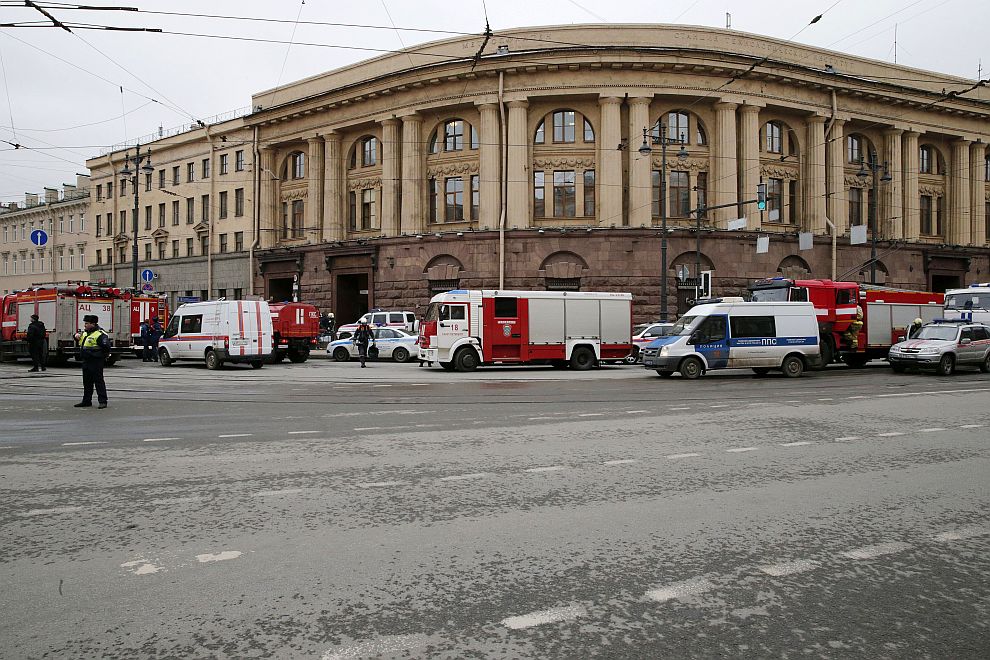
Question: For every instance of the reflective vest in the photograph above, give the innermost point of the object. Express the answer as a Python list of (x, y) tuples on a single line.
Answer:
[(91, 339)]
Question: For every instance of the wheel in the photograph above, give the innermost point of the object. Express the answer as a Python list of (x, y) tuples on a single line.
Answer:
[(298, 357), (466, 360), (582, 358), (691, 368), (761, 371), (276, 357), (825, 344), (341, 354), (164, 358), (792, 366), (663, 373), (213, 361), (898, 368), (946, 366), (985, 365), (257, 364), (447, 366), (400, 354)]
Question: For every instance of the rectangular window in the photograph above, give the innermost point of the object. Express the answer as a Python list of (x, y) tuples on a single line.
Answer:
[(189, 247), (123, 187), (223, 163), (122, 256), (147, 251), (239, 202), (238, 294), (238, 241), (175, 213), (775, 200), (109, 189), (190, 172), (939, 214), (191, 325), (298, 212), (99, 191), (99, 261), (563, 126), (223, 204), (204, 244), (792, 201), (239, 161), (853, 151), (925, 160), (752, 327), (539, 192), (82, 223), (589, 193), (655, 209), (564, 194), (926, 215), (475, 196), (99, 227), (82, 261), (506, 308), (161, 250), (855, 206), (679, 187), (190, 210), (453, 135), (368, 216), (109, 255), (434, 193), (147, 182), (109, 224), (352, 210), (453, 199), (204, 204), (61, 224), (223, 243), (221, 293), (175, 249), (161, 178), (147, 218), (161, 214), (123, 222), (175, 175)]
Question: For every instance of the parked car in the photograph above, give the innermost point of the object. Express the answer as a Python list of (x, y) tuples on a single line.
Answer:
[(942, 346), (389, 343), (378, 318), (643, 334)]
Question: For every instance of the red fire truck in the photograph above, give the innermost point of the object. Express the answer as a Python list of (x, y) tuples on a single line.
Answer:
[(464, 329), (887, 313), (62, 308), (295, 327)]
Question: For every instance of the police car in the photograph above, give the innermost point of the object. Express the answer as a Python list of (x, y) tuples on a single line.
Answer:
[(389, 343), (943, 345)]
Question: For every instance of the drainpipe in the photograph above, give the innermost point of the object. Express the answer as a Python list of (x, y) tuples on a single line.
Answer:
[(256, 184), (503, 145), (209, 220)]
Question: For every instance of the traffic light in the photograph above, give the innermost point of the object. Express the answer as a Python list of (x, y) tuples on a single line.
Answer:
[(761, 196)]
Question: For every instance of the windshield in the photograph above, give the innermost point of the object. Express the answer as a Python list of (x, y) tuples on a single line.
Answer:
[(942, 332), (967, 301), (778, 294), (433, 312), (683, 325)]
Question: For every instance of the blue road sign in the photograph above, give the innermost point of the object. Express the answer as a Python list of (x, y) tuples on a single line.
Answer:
[(188, 299), (39, 237), (147, 275)]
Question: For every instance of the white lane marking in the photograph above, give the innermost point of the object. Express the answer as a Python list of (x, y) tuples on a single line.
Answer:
[(369, 428), (971, 426), (680, 590), (381, 386), (549, 468), (10, 447), (379, 484), (847, 438), (890, 434), (827, 399), (857, 397), (631, 412), (301, 432), (235, 435), (220, 556), (622, 461), (141, 567), (793, 401), (79, 444), (789, 567), (536, 418), (795, 444), (464, 477), (275, 493), (739, 450), (720, 405), (389, 645), (931, 430), (680, 408), (159, 439), (963, 533), (591, 415), (48, 512), (877, 550), (676, 456), (543, 617)]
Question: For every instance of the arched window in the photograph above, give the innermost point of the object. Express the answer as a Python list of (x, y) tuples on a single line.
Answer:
[(702, 137), (589, 132), (453, 135), (925, 160), (475, 142), (450, 136), (434, 147), (775, 138), (677, 125), (563, 126), (540, 137), (369, 152)]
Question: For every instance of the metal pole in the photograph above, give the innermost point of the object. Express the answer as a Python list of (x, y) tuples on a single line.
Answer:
[(663, 222), (134, 250), (697, 251)]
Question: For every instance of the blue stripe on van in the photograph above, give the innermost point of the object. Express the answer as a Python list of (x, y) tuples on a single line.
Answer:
[(774, 341)]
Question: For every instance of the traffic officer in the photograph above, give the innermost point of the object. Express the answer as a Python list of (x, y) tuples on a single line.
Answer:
[(36, 334), (94, 347), (362, 337)]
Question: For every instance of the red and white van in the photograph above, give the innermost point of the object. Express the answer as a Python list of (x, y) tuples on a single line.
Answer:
[(219, 331)]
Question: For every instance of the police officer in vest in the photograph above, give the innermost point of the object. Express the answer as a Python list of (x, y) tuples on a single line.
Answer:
[(94, 347)]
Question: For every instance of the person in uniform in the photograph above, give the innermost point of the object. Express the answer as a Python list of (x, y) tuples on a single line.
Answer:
[(915, 328), (155, 332), (94, 347), (146, 341), (37, 348), (362, 337)]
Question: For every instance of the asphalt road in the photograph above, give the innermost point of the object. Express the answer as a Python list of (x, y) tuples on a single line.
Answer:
[(321, 510)]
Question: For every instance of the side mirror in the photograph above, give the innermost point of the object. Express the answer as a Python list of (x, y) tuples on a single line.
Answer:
[(965, 341)]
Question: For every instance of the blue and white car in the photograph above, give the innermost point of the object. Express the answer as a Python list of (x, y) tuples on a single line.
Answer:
[(389, 343)]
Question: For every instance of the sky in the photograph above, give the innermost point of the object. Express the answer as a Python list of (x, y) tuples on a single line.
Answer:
[(68, 96)]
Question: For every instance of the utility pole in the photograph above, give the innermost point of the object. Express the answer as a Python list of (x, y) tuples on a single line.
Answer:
[(137, 159)]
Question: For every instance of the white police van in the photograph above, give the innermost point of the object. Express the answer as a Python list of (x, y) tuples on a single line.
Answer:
[(728, 333), (218, 331)]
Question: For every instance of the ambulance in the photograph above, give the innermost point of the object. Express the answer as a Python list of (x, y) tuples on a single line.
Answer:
[(217, 332), (970, 304)]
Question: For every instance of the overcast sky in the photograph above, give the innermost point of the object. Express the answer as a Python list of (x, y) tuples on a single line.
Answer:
[(63, 90)]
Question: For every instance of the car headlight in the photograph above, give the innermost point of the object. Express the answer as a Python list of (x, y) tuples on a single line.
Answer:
[(663, 351), (894, 349)]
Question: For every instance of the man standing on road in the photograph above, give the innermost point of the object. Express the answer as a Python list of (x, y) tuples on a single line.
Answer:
[(155, 332), (94, 347), (362, 337), (36, 334), (146, 340)]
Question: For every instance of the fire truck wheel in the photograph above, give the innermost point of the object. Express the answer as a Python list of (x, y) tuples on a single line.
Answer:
[(400, 354), (298, 357), (985, 365), (792, 366), (164, 358), (946, 366), (257, 364), (466, 360), (582, 359), (691, 368), (213, 361), (276, 357), (827, 353)]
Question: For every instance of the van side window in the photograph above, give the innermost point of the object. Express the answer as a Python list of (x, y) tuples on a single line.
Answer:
[(396, 318), (845, 296), (753, 326), (711, 330), (173, 327), (457, 313), (379, 319), (192, 324), (505, 308)]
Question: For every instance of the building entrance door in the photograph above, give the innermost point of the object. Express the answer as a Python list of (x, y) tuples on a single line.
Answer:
[(280, 289), (942, 283), (351, 297)]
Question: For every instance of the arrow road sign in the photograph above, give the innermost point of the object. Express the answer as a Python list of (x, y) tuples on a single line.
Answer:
[(39, 237), (147, 275)]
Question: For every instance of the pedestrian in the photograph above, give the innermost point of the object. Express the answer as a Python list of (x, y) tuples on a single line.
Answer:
[(155, 333), (362, 337), (94, 348), (37, 344), (915, 328), (146, 340)]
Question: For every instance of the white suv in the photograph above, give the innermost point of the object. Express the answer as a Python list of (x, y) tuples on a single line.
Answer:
[(943, 345)]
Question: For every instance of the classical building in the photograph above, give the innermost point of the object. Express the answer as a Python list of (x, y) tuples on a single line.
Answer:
[(64, 257), (195, 212)]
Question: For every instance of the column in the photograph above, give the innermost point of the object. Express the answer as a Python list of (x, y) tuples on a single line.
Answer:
[(519, 195), (314, 204), (910, 195), (640, 167), (413, 217), (610, 163), (268, 222), (836, 206), (490, 204), (334, 217), (724, 185), (391, 176), (892, 194), (749, 160), (958, 231), (977, 188)]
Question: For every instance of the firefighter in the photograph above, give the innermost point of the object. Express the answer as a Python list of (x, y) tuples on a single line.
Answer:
[(36, 334), (362, 337), (852, 332), (94, 348), (915, 328)]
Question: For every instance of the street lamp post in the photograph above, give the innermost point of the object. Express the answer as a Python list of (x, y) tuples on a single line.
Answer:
[(137, 159), (645, 150), (873, 167)]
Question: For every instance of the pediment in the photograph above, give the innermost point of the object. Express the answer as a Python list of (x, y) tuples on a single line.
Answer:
[(202, 228)]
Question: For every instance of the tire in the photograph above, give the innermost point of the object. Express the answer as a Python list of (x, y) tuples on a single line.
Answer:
[(761, 371), (213, 361), (257, 364), (466, 359), (946, 366), (341, 354), (828, 355), (898, 368), (164, 358), (792, 366), (447, 366), (663, 373), (582, 358), (691, 368), (298, 357), (401, 354), (276, 357), (985, 365)]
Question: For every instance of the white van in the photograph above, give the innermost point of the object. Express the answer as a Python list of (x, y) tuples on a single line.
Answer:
[(218, 331), (733, 335)]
